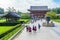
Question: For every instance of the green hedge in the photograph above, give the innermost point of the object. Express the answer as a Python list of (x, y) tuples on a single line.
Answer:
[(8, 24), (2, 35), (24, 20), (58, 17), (9, 35), (11, 24)]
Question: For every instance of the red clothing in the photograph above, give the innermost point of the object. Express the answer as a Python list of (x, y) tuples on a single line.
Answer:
[(29, 29), (35, 28)]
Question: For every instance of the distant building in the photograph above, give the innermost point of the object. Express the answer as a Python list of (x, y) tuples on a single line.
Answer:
[(12, 16), (38, 11)]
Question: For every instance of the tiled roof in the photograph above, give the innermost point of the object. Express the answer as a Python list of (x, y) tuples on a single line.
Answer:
[(2, 15), (39, 8), (12, 14)]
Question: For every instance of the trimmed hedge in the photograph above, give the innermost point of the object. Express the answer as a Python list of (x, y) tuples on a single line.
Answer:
[(8, 24), (2, 35), (11, 24)]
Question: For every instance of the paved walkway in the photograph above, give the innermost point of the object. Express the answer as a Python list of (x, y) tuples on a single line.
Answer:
[(45, 33)]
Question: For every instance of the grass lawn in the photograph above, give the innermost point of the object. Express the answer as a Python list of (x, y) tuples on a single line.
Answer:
[(23, 19), (12, 33), (2, 20), (56, 20), (3, 29)]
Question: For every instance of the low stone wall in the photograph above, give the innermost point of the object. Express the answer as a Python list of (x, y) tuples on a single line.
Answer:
[(51, 24)]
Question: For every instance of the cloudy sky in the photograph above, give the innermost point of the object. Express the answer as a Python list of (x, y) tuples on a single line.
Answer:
[(23, 5)]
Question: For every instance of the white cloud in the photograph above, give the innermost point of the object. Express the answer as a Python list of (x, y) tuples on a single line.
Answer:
[(5, 3), (23, 5), (49, 3)]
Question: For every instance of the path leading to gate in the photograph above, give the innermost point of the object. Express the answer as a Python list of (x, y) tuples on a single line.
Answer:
[(45, 33)]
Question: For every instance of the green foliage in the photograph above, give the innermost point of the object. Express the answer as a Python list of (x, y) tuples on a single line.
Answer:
[(25, 16), (5, 33), (1, 11), (51, 14), (2, 20), (11, 9), (56, 20), (57, 10), (24, 20), (18, 12), (58, 17), (12, 33), (8, 24), (3, 29)]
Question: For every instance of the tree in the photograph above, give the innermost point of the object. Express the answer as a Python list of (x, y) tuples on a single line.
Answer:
[(25, 15), (18, 12), (1, 11), (51, 14), (11, 9), (57, 10)]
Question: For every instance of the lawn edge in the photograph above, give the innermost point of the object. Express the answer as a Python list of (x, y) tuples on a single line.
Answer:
[(12, 37)]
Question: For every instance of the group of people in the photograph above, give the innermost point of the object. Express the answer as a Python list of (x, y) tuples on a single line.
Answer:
[(34, 28)]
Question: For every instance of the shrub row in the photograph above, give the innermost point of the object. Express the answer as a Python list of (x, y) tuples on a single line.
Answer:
[(11, 24), (58, 17), (8, 24), (2, 35)]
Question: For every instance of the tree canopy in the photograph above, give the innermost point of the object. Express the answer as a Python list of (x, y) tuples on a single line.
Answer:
[(51, 14), (1, 11), (57, 10)]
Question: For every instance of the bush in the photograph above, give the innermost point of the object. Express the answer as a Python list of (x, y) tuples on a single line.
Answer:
[(11, 24), (8, 24), (25, 16), (58, 17), (51, 14)]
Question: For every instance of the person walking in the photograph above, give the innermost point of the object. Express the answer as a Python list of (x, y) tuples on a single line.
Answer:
[(29, 29), (39, 26), (35, 29), (26, 28)]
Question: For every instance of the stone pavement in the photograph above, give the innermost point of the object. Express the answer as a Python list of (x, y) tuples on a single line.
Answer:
[(45, 33)]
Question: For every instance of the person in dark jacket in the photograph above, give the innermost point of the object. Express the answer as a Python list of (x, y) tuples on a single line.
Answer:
[(39, 26), (35, 29), (26, 28)]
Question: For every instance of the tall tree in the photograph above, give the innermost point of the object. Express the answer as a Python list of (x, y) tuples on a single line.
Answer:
[(19, 12), (1, 11), (51, 14), (11, 9), (57, 10)]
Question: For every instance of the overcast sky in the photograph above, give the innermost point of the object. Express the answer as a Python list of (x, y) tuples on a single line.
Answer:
[(23, 5)]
